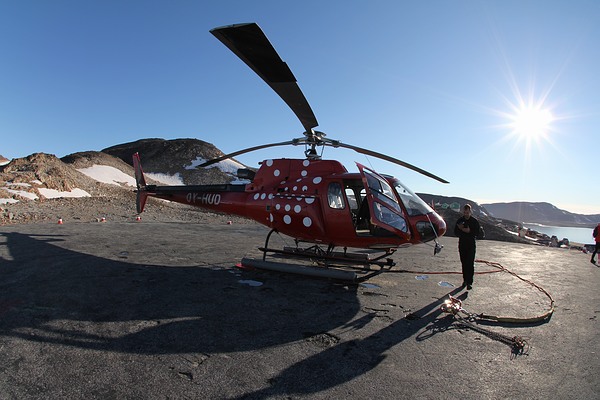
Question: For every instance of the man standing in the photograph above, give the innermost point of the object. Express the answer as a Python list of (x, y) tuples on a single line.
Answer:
[(596, 234), (467, 229)]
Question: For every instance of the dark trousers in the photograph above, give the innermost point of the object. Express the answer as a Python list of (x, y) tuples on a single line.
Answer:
[(596, 249), (466, 250)]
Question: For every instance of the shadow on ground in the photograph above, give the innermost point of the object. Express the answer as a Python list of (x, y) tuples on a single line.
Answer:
[(54, 296)]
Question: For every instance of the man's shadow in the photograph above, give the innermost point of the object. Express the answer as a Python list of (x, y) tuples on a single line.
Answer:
[(348, 360)]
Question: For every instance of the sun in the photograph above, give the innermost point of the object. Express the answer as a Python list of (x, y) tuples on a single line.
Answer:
[(531, 121)]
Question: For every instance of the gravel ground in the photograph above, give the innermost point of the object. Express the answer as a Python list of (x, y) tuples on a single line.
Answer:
[(118, 206)]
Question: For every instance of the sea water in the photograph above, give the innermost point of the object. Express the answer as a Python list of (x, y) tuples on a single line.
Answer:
[(574, 234)]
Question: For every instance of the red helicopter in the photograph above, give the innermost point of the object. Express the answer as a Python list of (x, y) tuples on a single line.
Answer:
[(312, 200)]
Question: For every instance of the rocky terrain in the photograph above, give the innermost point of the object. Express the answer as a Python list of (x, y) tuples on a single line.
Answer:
[(25, 182), (119, 207)]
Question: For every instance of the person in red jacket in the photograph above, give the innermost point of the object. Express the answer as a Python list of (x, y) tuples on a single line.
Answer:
[(596, 235)]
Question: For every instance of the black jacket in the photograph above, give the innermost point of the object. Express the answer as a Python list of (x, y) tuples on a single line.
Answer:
[(470, 237)]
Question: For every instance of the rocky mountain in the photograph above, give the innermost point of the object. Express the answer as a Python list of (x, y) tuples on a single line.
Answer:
[(540, 213), (515, 212), (3, 160), (178, 157)]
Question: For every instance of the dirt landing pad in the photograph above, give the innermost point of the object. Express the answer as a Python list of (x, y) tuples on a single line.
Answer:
[(160, 310)]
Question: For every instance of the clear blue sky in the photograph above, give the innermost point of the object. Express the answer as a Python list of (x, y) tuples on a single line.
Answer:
[(438, 84)]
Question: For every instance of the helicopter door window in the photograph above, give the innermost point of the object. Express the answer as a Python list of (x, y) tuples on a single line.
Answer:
[(335, 197), (389, 217), (386, 213), (382, 191)]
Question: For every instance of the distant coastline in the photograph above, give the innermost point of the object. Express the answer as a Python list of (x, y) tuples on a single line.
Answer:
[(576, 234)]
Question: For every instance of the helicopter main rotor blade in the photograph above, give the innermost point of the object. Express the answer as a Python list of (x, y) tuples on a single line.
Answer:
[(251, 45), (248, 150), (385, 157)]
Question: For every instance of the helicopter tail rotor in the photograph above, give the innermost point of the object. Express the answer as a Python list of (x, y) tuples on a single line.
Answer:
[(140, 181)]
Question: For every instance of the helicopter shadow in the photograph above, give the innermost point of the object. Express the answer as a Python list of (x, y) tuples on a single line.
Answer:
[(49, 294), (54, 296)]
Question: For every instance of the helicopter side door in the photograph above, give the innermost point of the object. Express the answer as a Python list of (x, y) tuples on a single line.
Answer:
[(385, 212), (338, 209)]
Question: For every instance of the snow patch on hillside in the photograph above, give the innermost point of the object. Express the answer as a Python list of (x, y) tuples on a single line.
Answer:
[(56, 194), (107, 174), (165, 178)]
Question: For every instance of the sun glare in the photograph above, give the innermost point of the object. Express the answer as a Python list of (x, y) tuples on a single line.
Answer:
[(531, 122)]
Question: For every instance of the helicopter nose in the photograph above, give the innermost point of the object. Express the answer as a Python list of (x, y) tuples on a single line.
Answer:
[(440, 224), (431, 227)]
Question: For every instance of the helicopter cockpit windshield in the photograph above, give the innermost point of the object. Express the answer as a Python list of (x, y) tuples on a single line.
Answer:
[(414, 204)]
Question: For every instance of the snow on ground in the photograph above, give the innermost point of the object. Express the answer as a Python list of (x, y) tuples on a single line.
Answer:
[(47, 193), (55, 194), (101, 173), (9, 187), (521, 236), (23, 193), (8, 201), (106, 174), (114, 176), (23, 184), (166, 179)]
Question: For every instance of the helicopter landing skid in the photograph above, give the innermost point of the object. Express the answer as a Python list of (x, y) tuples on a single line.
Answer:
[(347, 273), (306, 270), (327, 263), (331, 258)]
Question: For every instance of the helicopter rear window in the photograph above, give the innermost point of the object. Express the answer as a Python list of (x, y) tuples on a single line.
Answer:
[(335, 197), (351, 196)]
